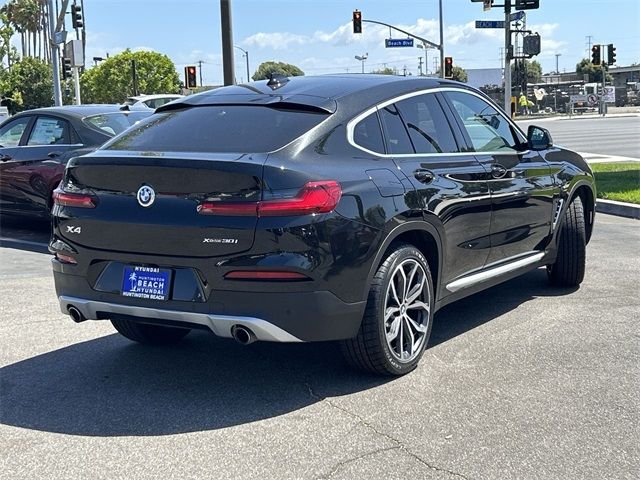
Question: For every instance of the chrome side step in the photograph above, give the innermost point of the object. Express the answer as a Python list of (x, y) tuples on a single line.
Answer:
[(218, 324), (494, 272)]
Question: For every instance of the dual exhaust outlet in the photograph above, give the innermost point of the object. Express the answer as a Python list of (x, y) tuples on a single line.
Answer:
[(240, 333)]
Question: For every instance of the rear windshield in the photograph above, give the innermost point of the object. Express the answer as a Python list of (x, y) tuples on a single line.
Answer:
[(223, 129), (117, 122)]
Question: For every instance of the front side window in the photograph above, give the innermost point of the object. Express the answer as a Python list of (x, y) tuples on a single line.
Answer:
[(368, 135), (11, 133), (488, 130), (427, 125), (50, 131), (221, 129)]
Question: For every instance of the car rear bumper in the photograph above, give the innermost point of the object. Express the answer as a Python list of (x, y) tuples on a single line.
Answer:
[(272, 316)]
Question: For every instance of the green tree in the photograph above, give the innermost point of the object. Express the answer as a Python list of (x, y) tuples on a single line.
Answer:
[(267, 68), (112, 81), (29, 84), (533, 68), (459, 74), (585, 67), (385, 71)]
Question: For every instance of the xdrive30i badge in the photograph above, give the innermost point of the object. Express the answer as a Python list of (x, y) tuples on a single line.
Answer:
[(146, 196)]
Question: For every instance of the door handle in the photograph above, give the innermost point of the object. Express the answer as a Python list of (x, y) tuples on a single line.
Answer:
[(423, 175), (498, 171), (54, 154), (5, 158)]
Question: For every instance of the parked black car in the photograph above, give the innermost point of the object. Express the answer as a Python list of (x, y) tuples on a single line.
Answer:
[(35, 146), (318, 208)]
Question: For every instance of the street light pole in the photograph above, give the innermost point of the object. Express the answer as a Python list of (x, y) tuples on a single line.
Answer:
[(246, 56), (362, 58), (557, 69)]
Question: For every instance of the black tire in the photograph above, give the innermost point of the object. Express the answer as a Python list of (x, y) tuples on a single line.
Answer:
[(149, 334), (369, 349), (568, 269)]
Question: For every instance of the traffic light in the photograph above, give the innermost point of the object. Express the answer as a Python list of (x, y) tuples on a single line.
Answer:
[(66, 67), (190, 77), (612, 54), (357, 21), (76, 16), (448, 67), (596, 59)]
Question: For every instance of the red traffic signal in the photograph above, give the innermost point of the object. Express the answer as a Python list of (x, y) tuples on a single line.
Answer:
[(357, 21), (448, 67), (190, 77)]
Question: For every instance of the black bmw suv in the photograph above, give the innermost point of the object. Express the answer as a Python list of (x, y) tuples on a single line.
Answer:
[(343, 208)]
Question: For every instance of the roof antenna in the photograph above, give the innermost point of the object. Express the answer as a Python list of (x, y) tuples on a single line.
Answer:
[(277, 80)]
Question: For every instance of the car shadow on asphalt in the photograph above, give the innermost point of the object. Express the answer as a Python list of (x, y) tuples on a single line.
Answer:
[(24, 234), (112, 387)]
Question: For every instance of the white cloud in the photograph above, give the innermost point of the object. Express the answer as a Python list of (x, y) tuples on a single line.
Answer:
[(275, 41)]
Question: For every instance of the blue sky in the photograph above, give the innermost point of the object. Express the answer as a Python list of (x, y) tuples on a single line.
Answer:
[(316, 34)]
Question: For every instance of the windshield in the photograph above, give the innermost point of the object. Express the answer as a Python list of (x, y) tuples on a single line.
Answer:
[(116, 122), (222, 129)]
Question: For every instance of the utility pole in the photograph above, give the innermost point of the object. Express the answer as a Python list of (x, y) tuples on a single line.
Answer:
[(55, 60), (507, 57), (420, 65), (76, 83), (557, 69), (442, 40), (200, 70), (589, 42), (227, 42)]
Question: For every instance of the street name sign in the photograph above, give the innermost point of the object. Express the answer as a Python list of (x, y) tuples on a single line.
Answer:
[(489, 23), (398, 42)]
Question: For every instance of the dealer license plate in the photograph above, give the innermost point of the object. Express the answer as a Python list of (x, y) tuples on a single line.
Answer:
[(146, 282)]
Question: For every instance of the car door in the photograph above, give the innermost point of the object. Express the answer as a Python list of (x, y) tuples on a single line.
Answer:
[(12, 134), (449, 184), (33, 171), (520, 180)]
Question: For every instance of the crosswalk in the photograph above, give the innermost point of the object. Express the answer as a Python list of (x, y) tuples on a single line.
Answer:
[(600, 158)]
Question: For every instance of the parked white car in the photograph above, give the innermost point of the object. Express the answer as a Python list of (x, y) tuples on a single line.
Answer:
[(150, 101)]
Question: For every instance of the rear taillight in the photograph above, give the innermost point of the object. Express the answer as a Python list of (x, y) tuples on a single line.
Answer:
[(314, 197), (264, 275), (67, 199)]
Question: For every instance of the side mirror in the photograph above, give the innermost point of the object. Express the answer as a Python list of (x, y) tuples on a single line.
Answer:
[(539, 138)]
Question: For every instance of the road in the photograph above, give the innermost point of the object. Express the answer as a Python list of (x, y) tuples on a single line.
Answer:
[(521, 381), (608, 136)]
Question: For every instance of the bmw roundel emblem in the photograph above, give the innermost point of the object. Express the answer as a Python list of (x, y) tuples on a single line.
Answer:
[(146, 196)]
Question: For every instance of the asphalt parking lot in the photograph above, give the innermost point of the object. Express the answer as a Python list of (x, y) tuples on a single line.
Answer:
[(520, 381)]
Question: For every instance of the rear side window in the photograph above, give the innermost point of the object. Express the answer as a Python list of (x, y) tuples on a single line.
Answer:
[(367, 134), (427, 125), (114, 123), (223, 129), (50, 131), (397, 137)]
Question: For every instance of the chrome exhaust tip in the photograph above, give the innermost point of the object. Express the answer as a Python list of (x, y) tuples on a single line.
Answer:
[(242, 335), (75, 314)]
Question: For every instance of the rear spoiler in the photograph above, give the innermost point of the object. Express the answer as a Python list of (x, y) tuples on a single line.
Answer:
[(289, 102)]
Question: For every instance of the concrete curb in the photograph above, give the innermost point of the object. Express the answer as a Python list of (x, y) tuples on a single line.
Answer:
[(621, 209)]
